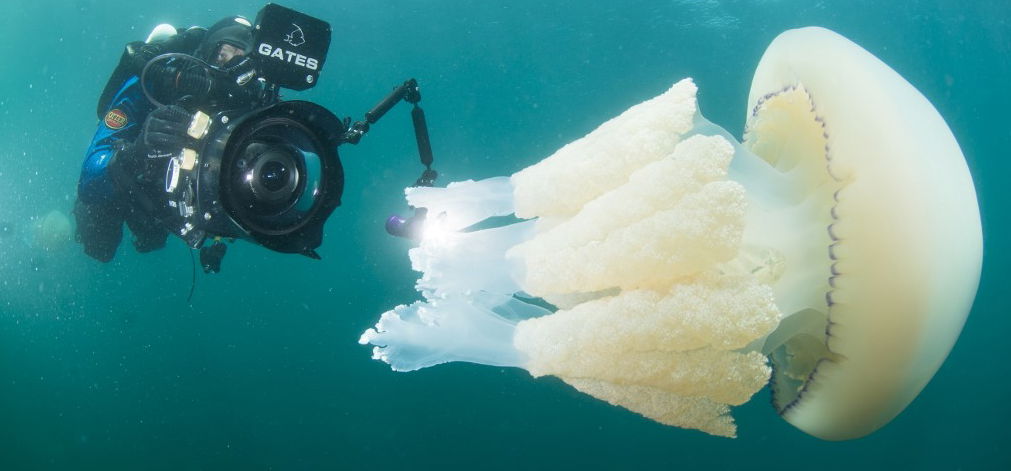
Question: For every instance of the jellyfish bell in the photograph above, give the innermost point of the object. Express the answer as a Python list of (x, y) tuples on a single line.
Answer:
[(835, 253), (52, 232), (905, 242)]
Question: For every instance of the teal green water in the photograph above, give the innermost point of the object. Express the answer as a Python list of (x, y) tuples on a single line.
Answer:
[(107, 367)]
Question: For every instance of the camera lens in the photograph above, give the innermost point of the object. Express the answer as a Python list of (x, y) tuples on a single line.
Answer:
[(269, 177), (280, 176), (273, 175)]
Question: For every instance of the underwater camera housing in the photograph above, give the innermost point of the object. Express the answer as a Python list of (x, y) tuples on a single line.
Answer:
[(271, 175), (259, 168)]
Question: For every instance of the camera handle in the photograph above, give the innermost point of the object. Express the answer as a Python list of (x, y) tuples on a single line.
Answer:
[(408, 92)]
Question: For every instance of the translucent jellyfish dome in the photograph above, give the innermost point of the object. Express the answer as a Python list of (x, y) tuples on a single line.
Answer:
[(52, 232), (662, 266)]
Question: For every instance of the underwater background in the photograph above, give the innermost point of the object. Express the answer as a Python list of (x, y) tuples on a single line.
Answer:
[(106, 366)]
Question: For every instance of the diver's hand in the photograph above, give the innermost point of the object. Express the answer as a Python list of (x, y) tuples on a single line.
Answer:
[(162, 136), (165, 129)]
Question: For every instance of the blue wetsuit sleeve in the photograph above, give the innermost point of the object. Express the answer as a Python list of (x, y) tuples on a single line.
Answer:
[(122, 123)]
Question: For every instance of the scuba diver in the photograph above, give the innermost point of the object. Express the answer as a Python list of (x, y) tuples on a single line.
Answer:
[(194, 140), (137, 128)]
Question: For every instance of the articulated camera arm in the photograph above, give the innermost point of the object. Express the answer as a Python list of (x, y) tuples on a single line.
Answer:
[(408, 92)]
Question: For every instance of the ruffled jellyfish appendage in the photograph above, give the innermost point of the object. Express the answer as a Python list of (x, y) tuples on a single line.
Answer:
[(653, 320), (841, 241), (477, 328), (453, 262), (469, 312)]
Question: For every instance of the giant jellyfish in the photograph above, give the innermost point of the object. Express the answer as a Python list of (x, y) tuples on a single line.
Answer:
[(662, 266)]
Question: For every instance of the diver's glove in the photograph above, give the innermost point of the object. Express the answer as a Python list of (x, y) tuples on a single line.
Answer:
[(210, 257), (165, 130), (162, 137)]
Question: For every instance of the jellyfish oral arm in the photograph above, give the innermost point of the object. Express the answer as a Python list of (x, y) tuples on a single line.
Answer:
[(834, 254), (468, 312), (676, 338), (429, 333)]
